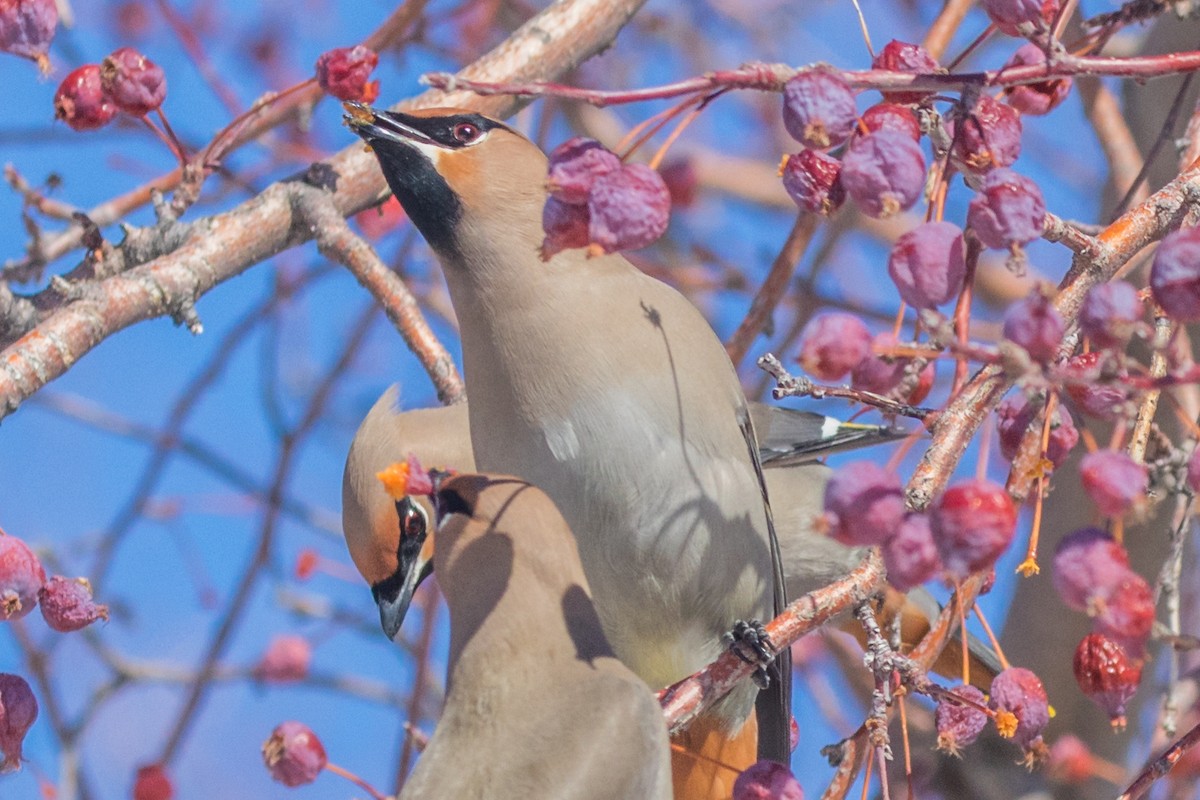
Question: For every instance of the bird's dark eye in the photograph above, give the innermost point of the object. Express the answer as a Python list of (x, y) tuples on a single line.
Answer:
[(412, 519), (466, 132)]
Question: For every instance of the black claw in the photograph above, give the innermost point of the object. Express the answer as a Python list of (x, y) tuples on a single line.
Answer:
[(749, 641)]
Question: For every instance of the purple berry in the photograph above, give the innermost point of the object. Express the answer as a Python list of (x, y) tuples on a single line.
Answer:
[(26, 28), (892, 117), (884, 173), (1035, 98), (818, 108), (1008, 211), (1035, 324), (18, 711), (1008, 14), (811, 178), (927, 264), (891, 376), (294, 755), (767, 780), (973, 523), (832, 344), (21, 577), (1021, 693), (574, 167), (1126, 614), (959, 724), (910, 555), (135, 83), (1175, 275), (1114, 481), (565, 225), (1094, 383), (1111, 313), (988, 136), (1088, 565), (67, 605), (898, 56), (630, 208), (286, 660), (865, 503), (1014, 416)]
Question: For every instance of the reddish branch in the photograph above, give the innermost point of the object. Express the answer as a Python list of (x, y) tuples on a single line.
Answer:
[(1161, 765)]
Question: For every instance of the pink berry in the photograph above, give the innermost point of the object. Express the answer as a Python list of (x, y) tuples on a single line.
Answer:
[(1127, 614), (1088, 565), (892, 117), (988, 136), (1008, 14), (67, 605), (1094, 383), (630, 208), (1193, 471), (891, 376), (927, 264), (574, 167), (910, 555), (884, 173), (1070, 760), (1035, 98), (1021, 693), (81, 102), (1014, 416), (343, 73), (1111, 313), (898, 56), (1035, 324), (286, 660), (21, 576), (294, 755), (682, 181), (811, 179), (818, 108), (1107, 675), (793, 733), (1114, 481), (1175, 275), (18, 710), (973, 523), (959, 724), (767, 780), (27, 26), (135, 83), (153, 783), (1008, 211), (566, 226), (865, 503), (832, 344)]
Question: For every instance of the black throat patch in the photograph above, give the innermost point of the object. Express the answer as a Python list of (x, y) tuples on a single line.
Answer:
[(427, 199)]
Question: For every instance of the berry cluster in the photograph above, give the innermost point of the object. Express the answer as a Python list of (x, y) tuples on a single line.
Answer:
[(126, 80)]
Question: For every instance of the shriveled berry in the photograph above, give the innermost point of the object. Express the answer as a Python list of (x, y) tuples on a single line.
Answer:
[(1008, 14), (343, 73), (910, 555), (973, 523), (1035, 324), (1107, 675), (26, 28), (865, 503), (1111, 313), (1008, 211), (286, 660), (1088, 565), (884, 173), (892, 117), (153, 783), (892, 376), (1014, 416), (1021, 693), (1114, 481), (832, 344), (1035, 98), (18, 711), (682, 182), (574, 167), (1127, 614), (630, 208), (1070, 760), (927, 264), (899, 56), (959, 724), (565, 225), (811, 179), (135, 83), (293, 754), (987, 136), (67, 604), (1094, 383), (1175, 275), (818, 108), (21, 576), (81, 102), (767, 780)]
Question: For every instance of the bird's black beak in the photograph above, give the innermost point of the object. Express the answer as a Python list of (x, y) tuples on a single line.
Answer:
[(376, 126), (415, 557)]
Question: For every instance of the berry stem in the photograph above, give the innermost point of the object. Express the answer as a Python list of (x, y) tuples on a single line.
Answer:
[(681, 127), (166, 139), (991, 636), (357, 781)]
